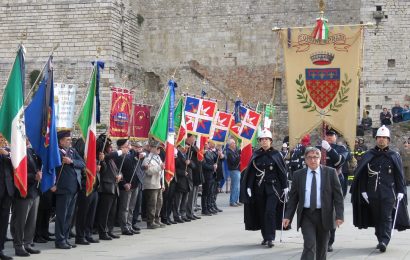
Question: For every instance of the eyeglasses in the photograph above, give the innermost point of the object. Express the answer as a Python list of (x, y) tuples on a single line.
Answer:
[(312, 157)]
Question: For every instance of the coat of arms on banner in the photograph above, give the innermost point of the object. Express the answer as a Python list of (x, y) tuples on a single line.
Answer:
[(248, 125), (220, 127), (199, 114), (121, 109)]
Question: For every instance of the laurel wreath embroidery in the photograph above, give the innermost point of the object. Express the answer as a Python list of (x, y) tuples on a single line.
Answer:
[(338, 102)]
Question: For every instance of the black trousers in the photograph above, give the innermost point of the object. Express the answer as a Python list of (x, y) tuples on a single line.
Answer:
[(5, 204), (86, 208), (315, 237), (266, 206), (382, 218), (138, 204), (65, 205), (45, 210), (107, 207), (206, 194), (168, 200)]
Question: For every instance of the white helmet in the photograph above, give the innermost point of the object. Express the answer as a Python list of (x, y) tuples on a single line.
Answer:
[(383, 131), (265, 134)]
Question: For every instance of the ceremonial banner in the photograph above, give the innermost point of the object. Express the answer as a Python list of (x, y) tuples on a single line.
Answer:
[(180, 127), (199, 115), (248, 124), (12, 121), (42, 133), (322, 79), (87, 124), (64, 104), (121, 108), (140, 122), (220, 127)]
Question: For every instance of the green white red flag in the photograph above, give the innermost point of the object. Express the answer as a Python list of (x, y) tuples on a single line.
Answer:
[(12, 121), (87, 124)]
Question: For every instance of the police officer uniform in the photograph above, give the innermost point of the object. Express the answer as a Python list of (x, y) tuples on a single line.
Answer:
[(262, 189), (378, 183)]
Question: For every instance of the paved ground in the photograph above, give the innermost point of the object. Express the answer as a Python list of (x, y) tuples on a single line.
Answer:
[(223, 237)]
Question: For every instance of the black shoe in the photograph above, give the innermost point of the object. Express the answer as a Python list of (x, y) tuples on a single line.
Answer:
[(173, 222), (378, 246), (5, 257), (32, 250), (105, 236), (329, 248), (20, 251), (92, 240), (63, 246), (218, 209), (270, 244), (135, 231), (188, 219), (382, 247), (40, 240), (206, 213), (263, 243), (112, 235), (72, 245), (179, 220), (81, 241), (135, 227), (127, 232), (195, 216)]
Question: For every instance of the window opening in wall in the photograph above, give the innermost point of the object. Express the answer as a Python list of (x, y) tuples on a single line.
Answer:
[(391, 63), (378, 8)]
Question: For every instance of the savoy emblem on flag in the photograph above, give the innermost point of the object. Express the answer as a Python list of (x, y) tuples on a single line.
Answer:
[(220, 127), (199, 115), (248, 125), (121, 108)]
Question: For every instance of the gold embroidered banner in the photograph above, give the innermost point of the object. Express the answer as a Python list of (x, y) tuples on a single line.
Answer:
[(322, 80)]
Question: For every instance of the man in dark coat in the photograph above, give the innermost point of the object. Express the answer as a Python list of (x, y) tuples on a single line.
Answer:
[(378, 184), (6, 193), (197, 177), (67, 185), (183, 184), (263, 185), (24, 216), (316, 194)]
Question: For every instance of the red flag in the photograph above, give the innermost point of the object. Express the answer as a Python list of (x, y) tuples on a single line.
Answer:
[(121, 107), (141, 122), (200, 143), (246, 155)]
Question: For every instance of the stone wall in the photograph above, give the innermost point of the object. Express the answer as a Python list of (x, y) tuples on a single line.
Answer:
[(80, 27), (386, 74)]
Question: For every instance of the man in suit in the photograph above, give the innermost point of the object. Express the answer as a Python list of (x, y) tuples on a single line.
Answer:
[(6, 193), (67, 185), (317, 195)]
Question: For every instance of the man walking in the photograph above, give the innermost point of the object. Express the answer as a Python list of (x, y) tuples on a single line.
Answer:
[(317, 196)]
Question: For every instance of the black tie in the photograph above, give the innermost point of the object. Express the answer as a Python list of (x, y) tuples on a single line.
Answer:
[(313, 192)]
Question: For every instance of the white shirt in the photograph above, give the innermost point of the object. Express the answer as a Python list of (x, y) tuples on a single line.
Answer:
[(309, 177)]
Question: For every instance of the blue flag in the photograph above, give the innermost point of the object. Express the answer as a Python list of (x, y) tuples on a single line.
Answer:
[(41, 127)]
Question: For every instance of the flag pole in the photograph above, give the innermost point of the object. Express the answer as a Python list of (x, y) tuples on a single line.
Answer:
[(40, 74)]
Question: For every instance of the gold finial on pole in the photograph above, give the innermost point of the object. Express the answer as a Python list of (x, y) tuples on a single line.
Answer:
[(99, 50), (322, 6)]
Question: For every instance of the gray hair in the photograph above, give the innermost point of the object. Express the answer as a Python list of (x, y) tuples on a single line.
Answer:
[(312, 149)]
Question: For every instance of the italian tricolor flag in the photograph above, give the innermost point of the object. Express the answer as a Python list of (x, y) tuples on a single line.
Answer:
[(12, 122), (87, 124)]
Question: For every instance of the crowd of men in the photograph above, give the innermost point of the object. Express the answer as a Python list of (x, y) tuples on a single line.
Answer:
[(130, 183)]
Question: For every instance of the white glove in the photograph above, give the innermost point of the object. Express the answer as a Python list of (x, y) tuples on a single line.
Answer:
[(248, 190), (286, 191), (365, 197), (326, 145), (400, 196)]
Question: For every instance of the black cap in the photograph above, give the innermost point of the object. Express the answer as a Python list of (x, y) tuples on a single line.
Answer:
[(331, 132), (121, 142), (63, 133)]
